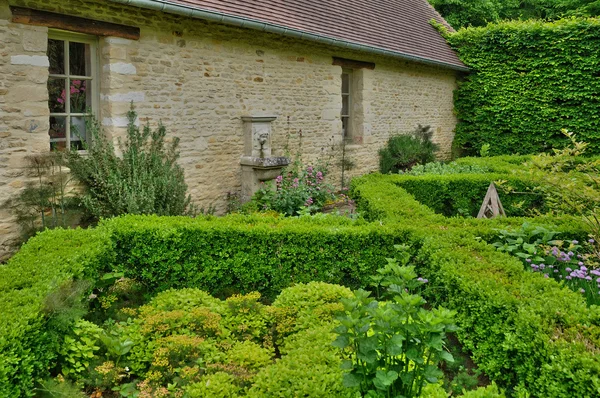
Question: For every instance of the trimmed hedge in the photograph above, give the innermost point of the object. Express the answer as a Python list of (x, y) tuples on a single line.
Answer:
[(44, 264), (249, 253), (521, 328), (223, 255), (529, 80)]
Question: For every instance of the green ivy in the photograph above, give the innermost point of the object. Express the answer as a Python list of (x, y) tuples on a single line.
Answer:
[(529, 80)]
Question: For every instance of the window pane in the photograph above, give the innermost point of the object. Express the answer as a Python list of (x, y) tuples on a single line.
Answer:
[(345, 107), (79, 59), (56, 56), (80, 95), (78, 133), (57, 97), (58, 132), (345, 83)]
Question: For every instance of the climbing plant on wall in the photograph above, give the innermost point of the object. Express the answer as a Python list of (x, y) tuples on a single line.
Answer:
[(529, 80)]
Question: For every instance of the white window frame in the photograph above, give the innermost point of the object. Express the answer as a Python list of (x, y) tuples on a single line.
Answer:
[(94, 77), (346, 132)]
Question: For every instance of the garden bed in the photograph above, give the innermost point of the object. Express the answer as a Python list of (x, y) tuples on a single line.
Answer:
[(524, 331)]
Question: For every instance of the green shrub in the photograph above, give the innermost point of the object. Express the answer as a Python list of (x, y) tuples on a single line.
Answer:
[(519, 326), (145, 180), (395, 345), (240, 254), (439, 168), (307, 304), (298, 189), (217, 385), (309, 368), (403, 151), (513, 100), (47, 262), (78, 348)]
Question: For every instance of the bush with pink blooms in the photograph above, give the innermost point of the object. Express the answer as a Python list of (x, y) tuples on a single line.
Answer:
[(298, 190)]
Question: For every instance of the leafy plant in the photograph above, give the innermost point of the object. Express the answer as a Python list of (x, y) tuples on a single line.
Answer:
[(146, 179), (567, 261), (404, 151), (46, 201), (395, 345), (79, 347), (297, 189), (512, 99), (439, 168)]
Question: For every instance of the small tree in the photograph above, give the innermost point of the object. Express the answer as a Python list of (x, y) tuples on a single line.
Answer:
[(403, 151), (145, 180)]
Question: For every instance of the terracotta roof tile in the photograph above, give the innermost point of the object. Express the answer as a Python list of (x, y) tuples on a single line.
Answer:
[(400, 26)]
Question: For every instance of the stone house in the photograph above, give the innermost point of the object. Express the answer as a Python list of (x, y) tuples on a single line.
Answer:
[(305, 72)]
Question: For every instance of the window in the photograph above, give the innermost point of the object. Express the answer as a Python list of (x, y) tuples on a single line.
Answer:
[(346, 103), (72, 88)]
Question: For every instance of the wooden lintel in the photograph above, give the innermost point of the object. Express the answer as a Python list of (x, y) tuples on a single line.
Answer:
[(30, 16), (352, 64)]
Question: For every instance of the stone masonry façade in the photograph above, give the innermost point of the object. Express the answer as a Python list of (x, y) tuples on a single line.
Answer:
[(199, 79)]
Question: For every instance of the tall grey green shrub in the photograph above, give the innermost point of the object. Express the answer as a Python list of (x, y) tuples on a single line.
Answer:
[(145, 179)]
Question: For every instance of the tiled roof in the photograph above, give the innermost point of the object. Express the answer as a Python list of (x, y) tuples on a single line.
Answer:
[(397, 26)]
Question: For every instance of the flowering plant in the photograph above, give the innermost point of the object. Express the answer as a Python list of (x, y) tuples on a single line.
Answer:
[(297, 189), (78, 97), (567, 261)]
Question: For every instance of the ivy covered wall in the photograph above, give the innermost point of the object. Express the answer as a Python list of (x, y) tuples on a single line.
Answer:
[(529, 80)]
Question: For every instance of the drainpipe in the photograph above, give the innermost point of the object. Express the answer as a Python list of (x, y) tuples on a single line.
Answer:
[(243, 22)]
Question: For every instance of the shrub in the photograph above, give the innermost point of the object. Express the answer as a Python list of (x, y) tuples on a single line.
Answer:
[(240, 254), (217, 385), (395, 346), (403, 151), (309, 368), (46, 201), (47, 262), (298, 189), (145, 180), (509, 319), (310, 303), (439, 168)]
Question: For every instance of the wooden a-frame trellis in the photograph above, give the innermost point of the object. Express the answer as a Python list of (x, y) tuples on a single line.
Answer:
[(491, 207)]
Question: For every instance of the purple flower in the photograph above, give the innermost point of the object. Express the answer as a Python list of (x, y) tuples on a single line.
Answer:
[(568, 269), (570, 254), (591, 241), (279, 179), (575, 242), (588, 278), (545, 275), (568, 277), (580, 263), (582, 290), (309, 202), (583, 268), (528, 260), (422, 280)]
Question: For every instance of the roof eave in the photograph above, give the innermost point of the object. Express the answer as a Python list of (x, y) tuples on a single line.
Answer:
[(243, 22)]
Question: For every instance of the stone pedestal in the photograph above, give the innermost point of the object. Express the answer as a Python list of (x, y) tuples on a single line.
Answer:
[(257, 163), (258, 170)]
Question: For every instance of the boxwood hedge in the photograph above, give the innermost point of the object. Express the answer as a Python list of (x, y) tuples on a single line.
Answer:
[(522, 329)]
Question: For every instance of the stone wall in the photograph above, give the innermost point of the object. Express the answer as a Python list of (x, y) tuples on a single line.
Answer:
[(199, 79)]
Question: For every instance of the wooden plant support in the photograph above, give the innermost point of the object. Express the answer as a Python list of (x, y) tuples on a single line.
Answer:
[(491, 207)]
